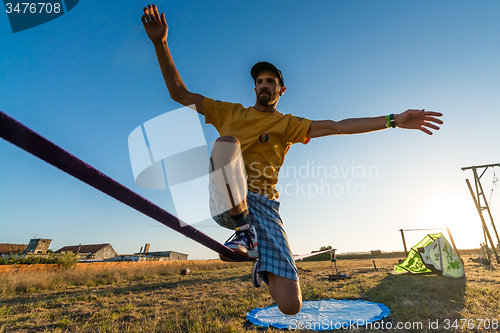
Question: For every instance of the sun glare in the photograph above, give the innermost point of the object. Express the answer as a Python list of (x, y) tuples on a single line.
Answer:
[(458, 213)]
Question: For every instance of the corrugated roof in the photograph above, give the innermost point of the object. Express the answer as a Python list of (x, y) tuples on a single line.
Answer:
[(92, 248), (12, 248)]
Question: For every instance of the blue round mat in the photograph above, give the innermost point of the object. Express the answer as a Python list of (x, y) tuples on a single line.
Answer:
[(322, 315)]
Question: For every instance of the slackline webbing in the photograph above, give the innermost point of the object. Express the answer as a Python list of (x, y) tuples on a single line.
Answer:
[(312, 254), (23, 137)]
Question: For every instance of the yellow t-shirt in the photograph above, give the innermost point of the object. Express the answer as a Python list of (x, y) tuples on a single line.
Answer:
[(264, 137)]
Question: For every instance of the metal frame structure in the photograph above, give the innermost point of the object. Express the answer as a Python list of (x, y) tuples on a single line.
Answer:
[(333, 260), (482, 204)]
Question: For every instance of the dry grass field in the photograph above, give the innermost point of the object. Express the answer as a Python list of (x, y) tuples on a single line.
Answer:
[(216, 296)]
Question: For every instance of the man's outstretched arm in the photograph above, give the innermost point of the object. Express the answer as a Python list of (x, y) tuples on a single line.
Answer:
[(410, 119), (157, 30)]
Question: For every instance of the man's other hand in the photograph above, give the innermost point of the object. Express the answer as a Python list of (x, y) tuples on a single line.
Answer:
[(154, 24), (418, 119)]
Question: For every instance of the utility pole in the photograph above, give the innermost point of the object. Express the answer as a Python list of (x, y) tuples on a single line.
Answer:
[(482, 204)]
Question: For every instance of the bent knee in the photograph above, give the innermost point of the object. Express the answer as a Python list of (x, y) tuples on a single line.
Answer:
[(291, 307), (228, 138), (225, 150)]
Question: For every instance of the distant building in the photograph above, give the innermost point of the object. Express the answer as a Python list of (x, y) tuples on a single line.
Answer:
[(166, 255), (12, 249), (160, 255), (38, 246), (90, 252), (151, 256)]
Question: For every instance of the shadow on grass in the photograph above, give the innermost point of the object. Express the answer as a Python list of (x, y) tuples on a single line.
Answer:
[(420, 297)]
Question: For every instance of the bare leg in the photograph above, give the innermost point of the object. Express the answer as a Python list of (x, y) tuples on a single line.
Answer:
[(226, 150), (286, 293), (230, 182)]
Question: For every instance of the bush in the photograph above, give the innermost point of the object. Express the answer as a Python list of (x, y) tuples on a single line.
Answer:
[(68, 260), (28, 260)]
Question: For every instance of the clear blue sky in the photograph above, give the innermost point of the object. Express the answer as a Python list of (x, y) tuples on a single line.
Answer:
[(88, 78)]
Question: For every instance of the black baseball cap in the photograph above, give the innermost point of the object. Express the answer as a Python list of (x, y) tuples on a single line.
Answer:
[(265, 66)]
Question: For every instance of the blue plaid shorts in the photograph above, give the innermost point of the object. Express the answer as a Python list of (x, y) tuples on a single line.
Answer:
[(275, 255)]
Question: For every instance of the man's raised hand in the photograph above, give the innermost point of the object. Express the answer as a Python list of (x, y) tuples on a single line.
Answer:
[(419, 119), (154, 24)]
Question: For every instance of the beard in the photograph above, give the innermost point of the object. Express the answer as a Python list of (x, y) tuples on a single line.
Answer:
[(269, 98)]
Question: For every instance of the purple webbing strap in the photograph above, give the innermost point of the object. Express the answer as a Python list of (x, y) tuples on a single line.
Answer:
[(33, 143)]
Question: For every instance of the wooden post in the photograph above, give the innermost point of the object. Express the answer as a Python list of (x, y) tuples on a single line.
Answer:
[(331, 261), (485, 228), (404, 243), (335, 262), (453, 243), (486, 206)]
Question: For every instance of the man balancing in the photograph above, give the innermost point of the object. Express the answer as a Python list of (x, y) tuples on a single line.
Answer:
[(262, 136)]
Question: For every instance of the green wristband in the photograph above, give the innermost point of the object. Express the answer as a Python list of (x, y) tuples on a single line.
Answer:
[(388, 121)]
